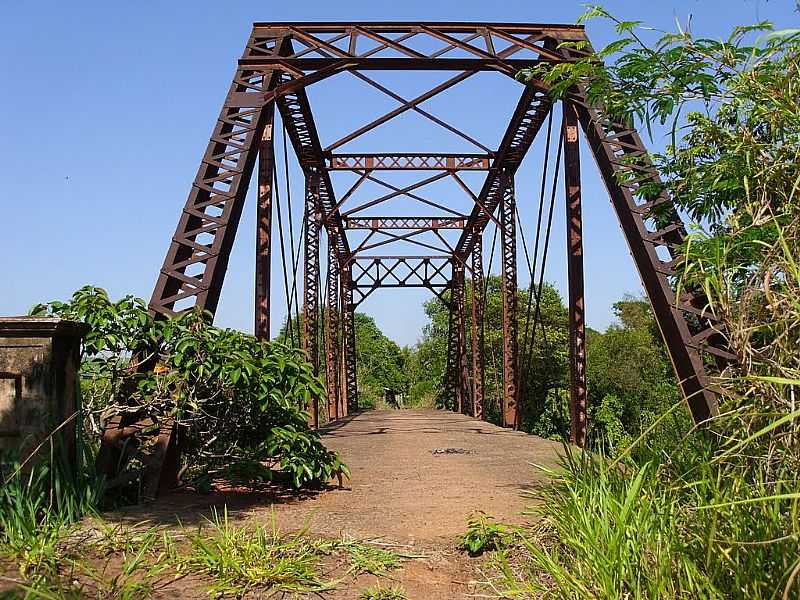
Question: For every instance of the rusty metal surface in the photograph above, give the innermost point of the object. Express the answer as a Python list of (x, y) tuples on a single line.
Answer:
[(409, 162), (332, 348), (350, 380), (266, 162), (576, 308), (508, 245), (477, 330), (418, 223), (311, 280)]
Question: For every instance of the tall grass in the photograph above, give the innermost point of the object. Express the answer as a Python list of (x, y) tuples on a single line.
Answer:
[(40, 501), (650, 529)]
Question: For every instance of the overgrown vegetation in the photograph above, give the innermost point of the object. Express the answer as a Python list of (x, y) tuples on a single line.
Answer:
[(221, 558), (377, 592), (239, 405), (712, 514), (239, 402)]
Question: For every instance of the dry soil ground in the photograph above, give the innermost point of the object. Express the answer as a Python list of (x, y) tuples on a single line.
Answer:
[(416, 476)]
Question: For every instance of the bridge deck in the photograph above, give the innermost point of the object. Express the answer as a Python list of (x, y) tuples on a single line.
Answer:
[(402, 491), (407, 486)]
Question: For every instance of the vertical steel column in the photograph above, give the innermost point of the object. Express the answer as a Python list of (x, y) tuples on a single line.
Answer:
[(332, 339), (311, 275), (266, 159), (350, 381), (478, 365), (465, 400), (508, 240), (577, 324), (451, 383)]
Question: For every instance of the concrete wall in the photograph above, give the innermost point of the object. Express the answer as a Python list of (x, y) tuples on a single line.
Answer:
[(39, 361)]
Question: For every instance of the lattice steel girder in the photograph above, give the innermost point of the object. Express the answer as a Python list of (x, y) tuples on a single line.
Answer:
[(508, 243), (332, 339), (452, 399), (373, 272), (532, 109), (350, 379), (420, 223), (576, 304), (409, 162), (311, 281), (197, 258), (458, 296), (477, 341), (400, 271), (479, 40), (266, 162)]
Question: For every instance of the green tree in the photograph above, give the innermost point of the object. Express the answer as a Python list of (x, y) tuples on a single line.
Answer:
[(629, 375)]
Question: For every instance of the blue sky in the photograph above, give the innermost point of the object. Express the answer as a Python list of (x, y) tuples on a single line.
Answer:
[(107, 106)]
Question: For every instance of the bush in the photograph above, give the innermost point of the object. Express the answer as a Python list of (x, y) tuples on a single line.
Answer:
[(239, 402)]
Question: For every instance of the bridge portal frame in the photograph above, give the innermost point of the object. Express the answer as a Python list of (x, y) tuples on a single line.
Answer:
[(281, 60)]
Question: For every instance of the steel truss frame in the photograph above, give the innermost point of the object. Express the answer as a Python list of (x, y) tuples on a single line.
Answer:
[(282, 59)]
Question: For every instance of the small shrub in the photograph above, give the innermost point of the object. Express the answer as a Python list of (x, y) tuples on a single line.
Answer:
[(483, 534), (242, 559)]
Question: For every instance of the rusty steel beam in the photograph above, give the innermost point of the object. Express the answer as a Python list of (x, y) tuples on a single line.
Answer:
[(350, 379), (458, 297), (332, 338), (409, 162), (452, 399), (421, 223), (197, 257), (311, 281), (508, 243), (266, 161), (530, 114), (575, 305), (561, 30), (477, 330)]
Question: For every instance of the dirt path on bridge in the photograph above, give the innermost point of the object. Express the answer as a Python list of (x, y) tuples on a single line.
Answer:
[(416, 476)]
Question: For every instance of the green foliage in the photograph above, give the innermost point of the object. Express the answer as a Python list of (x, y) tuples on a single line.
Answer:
[(239, 559), (366, 558), (377, 592), (483, 534), (40, 501), (629, 377), (238, 401), (681, 513), (381, 363), (648, 529)]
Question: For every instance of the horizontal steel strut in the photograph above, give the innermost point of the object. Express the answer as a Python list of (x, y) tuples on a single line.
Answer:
[(409, 162)]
